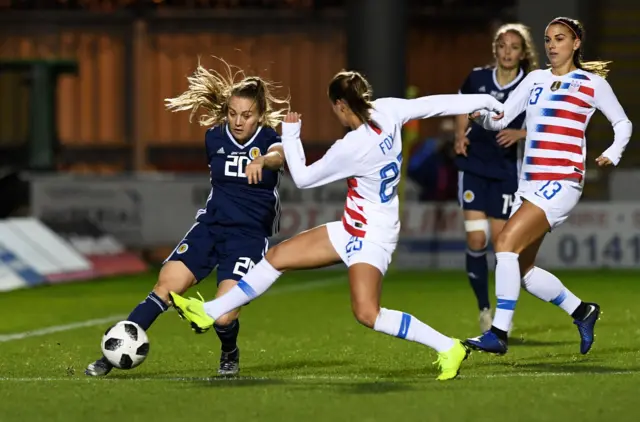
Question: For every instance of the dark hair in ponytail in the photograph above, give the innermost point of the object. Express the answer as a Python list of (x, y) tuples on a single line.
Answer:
[(600, 68), (352, 88)]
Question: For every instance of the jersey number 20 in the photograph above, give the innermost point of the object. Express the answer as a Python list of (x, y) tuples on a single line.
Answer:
[(390, 175), (235, 165)]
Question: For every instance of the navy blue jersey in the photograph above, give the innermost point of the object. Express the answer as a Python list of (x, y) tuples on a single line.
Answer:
[(233, 202), (484, 156)]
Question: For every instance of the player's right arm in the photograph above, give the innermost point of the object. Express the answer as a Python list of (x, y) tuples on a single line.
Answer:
[(338, 163), (515, 104)]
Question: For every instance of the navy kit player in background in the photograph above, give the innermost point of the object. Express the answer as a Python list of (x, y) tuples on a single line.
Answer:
[(488, 161), (231, 232)]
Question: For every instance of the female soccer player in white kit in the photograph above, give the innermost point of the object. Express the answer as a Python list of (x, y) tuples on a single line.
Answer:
[(369, 157), (559, 103)]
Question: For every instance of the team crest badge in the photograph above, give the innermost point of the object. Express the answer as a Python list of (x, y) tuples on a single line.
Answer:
[(468, 196), (182, 248), (575, 86), (556, 85), (254, 153)]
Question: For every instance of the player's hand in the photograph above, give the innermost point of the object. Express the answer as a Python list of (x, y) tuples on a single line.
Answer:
[(460, 145), (603, 161), (292, 117), (498, 116), (508, 137), (254, 171)]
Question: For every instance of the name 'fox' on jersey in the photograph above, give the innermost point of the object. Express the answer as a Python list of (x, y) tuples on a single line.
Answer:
[(369, 157), (233, 202), (484, 156), (558, 111)]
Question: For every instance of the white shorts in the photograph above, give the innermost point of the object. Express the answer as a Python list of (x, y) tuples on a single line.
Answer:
[(555, 198), (354, 250)]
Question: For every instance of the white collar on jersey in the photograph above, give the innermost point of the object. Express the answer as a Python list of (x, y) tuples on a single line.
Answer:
[(510, 84), (246, 144)]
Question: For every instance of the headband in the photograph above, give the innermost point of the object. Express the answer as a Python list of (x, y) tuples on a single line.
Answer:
[(565, 24)]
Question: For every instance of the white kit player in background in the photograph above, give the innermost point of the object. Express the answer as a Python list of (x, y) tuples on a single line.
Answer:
[(369, 158), (559, 103)]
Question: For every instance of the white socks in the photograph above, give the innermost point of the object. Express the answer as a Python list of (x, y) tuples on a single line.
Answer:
[(408, 327), (253, 284), (546, 286), (507, 289)]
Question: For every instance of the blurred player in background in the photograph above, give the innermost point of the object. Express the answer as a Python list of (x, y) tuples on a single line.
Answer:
[(369, 158), (246, 159), (488, 161), (559, 103)]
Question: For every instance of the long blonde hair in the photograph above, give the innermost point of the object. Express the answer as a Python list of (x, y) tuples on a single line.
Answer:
[(211, 91), (599, 67), (530, 61)]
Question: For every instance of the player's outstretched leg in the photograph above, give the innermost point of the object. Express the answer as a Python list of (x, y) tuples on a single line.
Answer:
[(307, 250), (546, 286), (174, 275), (366, 281)]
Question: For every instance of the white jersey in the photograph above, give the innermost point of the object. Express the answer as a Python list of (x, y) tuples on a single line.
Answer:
[(558, 111), (369, 158)]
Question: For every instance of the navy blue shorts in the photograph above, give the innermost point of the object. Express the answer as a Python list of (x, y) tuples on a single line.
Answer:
[(206, 247), (491, 196)]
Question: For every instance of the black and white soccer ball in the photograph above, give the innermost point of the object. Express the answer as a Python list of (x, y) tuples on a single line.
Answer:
[(125, 345)]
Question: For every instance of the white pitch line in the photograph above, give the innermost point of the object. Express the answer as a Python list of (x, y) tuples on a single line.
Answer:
[(311, 377), (58, 328), (298, 287)]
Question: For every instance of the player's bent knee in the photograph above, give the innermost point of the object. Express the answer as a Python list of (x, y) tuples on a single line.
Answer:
[(275, 257), (366, 315), (477, 234), (173, 277), (504, 243), (476, 241), (228, 319)]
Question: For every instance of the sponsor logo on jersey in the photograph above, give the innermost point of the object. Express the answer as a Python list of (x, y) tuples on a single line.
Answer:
[(254, 153), (468, 196)]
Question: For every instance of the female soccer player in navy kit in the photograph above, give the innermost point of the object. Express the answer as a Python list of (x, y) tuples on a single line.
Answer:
[(559, 103), (246, 159), (369, 158), (488, 161)]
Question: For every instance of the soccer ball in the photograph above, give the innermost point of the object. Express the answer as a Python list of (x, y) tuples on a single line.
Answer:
[(125, 345)]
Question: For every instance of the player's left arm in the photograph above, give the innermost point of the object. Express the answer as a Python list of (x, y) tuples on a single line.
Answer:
[(272, 160), (607, 102), (440, 105)]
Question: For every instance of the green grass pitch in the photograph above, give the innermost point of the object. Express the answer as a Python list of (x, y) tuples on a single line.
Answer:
[(304, 358)]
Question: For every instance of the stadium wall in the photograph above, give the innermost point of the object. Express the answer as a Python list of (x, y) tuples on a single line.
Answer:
[(131, 65), (598, 234)]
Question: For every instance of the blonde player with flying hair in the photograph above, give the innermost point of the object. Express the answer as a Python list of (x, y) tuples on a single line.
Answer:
[(246, 159)]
